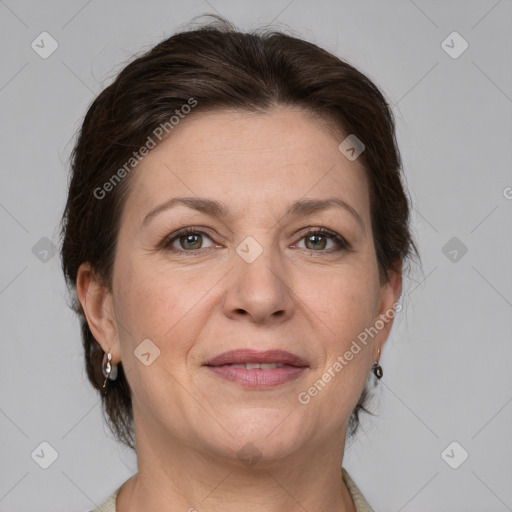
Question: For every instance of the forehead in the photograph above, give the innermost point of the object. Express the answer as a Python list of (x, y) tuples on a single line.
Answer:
[(249, 160)]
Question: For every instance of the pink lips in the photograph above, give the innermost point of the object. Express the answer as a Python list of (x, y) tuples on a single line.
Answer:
[(279, 366)]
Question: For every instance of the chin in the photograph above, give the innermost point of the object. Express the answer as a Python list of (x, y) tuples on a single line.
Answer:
[(258, 437)]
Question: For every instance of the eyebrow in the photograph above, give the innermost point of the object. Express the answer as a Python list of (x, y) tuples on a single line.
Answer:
[(214, 208)]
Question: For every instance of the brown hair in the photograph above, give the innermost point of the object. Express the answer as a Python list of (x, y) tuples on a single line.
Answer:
[(219, 67)]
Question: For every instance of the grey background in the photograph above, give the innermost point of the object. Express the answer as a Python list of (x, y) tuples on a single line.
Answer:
[(447, 365)]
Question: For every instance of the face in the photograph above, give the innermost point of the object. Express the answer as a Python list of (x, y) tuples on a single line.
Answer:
[(262, 270)]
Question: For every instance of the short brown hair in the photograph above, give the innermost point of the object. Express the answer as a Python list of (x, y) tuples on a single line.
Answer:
[(221, 68)]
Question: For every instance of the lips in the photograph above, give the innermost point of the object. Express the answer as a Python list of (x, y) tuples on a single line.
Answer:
[(251, 358), (257, 370)]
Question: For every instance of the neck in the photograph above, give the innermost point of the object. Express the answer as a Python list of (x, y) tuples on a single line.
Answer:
[(179, 477)]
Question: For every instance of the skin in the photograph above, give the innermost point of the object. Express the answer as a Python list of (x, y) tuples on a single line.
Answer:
[(297, 296)]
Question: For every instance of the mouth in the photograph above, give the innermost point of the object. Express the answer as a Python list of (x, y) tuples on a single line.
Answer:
[(253, 357), (255, 366), (257, 370)]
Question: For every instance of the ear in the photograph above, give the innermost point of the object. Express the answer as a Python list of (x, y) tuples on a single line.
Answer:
[(389, 294), (97, 303)]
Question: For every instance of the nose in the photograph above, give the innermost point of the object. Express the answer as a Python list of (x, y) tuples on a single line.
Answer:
[(259, 291)]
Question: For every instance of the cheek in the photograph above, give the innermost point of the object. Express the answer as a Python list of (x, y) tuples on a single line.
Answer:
[(347, 306), (345, 302), (163, 305), (151, 306), (343, 312)]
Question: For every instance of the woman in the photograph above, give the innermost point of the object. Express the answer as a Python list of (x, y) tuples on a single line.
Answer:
[(235, 232)]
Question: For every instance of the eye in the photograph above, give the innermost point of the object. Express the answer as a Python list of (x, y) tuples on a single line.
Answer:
[(187, 240), (191, 240), (316, 240)]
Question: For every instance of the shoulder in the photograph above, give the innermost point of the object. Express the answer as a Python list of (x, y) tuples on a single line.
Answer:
[(357, 496), (109, 505)]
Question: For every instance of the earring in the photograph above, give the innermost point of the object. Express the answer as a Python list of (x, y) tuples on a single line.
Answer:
[(108, 369), (377, 369)]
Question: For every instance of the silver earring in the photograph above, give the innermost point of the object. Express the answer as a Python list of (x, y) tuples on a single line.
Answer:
[(377, 369), (108, 369)]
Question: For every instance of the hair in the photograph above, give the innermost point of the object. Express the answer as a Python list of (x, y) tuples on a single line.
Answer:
[(219, 67)]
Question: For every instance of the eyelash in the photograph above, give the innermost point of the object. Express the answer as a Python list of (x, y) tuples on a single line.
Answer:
[(342, 244)]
